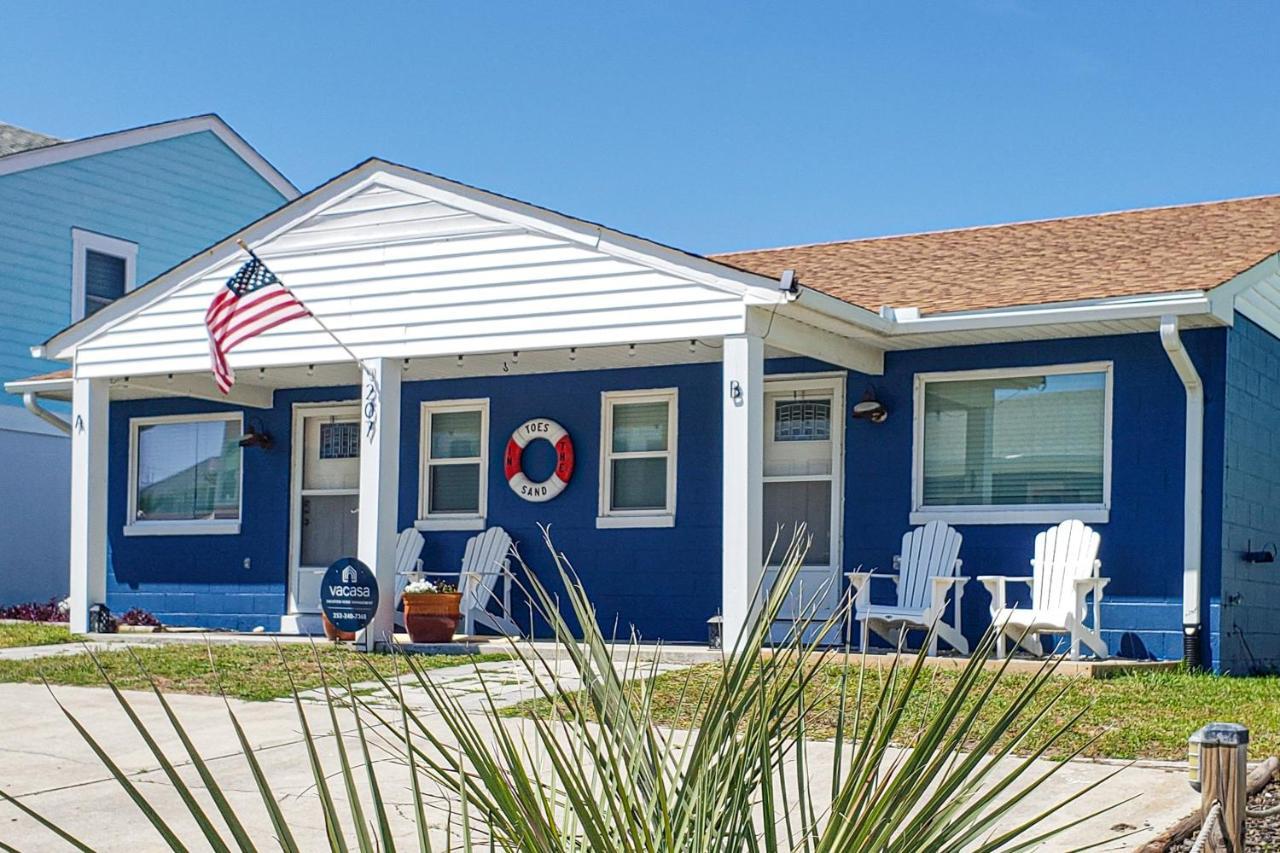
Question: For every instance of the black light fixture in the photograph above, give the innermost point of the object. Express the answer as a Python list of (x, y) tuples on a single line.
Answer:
[(257, 436), (1265, 554), (870, 409)]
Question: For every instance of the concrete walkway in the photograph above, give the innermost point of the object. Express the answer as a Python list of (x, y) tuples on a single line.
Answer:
[(45, 763)]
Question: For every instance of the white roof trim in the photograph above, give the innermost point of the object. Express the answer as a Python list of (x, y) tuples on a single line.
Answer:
[(77, 148), (755, 289)]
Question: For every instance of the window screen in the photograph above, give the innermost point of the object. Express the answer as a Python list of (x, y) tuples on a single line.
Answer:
[(104, 280)]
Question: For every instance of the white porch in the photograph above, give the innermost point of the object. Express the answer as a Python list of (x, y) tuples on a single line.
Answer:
[(426, 279)]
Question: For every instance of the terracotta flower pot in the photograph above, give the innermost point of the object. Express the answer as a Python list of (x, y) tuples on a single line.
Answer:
[(432, 617), (331, 631)]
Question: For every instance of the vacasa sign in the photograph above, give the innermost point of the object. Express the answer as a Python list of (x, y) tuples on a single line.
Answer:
[(349, 594)]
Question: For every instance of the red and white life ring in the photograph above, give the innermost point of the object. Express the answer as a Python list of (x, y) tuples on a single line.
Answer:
[(528, 431)]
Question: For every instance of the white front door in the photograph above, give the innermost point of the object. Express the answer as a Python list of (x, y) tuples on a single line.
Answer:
[(803, 462), (325, 498)]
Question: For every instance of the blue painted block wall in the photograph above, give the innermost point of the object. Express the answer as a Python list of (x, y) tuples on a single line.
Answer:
[(666, 582), (1251, 502), (1141, 545)]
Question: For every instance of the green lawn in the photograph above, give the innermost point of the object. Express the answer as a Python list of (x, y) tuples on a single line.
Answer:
[(247, 671), (1134, 716), (32, 634)]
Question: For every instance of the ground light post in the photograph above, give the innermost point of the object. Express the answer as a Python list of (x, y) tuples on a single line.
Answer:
[(1219, 769)]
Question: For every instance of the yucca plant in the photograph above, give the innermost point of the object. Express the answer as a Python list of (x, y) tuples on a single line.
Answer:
[(592, 772)]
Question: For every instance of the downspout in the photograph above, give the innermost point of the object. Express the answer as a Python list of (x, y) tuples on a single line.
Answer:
[(32, 402), (1193, 488)]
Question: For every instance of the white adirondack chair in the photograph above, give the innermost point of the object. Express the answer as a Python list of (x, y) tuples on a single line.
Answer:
[(488, 557), (927, 567), (1064, 572), (408, 549)]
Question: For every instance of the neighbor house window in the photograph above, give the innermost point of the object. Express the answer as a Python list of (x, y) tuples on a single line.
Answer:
[(455, 464), (638, 459), (184, 474), (1003, 446), (102, 270)]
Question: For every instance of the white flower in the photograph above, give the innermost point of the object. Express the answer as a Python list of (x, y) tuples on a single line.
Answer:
[(64, 606), (420, 586)]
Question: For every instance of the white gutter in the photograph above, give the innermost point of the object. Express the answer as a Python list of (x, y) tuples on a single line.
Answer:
[(32, 403), (1193, 478)]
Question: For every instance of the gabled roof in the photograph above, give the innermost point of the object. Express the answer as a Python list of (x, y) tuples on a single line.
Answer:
[(57, 151), (14, 139), (1194, 247)]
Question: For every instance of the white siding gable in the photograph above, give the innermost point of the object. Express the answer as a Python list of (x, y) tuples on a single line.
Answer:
[(398, 272)]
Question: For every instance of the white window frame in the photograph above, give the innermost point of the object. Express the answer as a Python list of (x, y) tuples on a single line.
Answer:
[(83, 241), (1010, 514), (193, 527), (665, 517), (427, 519)]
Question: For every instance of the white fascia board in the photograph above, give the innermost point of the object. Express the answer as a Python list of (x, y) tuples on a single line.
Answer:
[(1144, 307), (39, 386), (756, 289), (1223, 297), (62, 345), (77, 148)]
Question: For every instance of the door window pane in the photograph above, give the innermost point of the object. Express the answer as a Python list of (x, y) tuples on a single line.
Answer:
[(639, 427), (455, 488), (188, 471), (788, 504), (455, 435), (1015, 441), (639, 483), (802, 420)]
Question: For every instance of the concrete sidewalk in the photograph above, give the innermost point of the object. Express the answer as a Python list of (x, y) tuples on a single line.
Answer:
[(45, 763)]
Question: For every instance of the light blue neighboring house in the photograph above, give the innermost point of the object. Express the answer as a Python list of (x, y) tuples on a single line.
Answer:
[(82, 222)]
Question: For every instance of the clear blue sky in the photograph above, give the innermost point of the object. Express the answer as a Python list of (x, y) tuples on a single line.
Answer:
[(711, 126)]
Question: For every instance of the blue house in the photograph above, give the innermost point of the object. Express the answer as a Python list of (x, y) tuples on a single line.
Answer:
[(81, 224), (1122, 369)]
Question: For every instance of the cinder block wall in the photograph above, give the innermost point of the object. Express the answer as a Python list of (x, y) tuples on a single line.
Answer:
[(1250, 624)]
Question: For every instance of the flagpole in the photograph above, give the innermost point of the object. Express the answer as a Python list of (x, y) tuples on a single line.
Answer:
[(359, 362)]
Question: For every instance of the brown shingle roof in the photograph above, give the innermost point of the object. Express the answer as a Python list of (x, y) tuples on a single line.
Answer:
[(1130, 253)]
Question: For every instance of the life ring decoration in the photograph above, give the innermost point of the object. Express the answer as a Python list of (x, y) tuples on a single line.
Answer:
[(532, 430)]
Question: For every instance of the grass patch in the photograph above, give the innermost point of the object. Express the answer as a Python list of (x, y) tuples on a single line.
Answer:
[(14, 634), (247, 671), (1144, 715)]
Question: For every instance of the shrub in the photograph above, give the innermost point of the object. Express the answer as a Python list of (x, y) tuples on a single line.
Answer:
[(140, 617), (49, 611)]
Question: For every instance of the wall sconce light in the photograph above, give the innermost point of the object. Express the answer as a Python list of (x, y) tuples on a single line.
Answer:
[(257, 436), (1266, 554), (870, 409)]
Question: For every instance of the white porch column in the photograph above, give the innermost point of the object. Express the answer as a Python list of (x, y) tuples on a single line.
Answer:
[(743, 501), (379, 487), (88, 499)]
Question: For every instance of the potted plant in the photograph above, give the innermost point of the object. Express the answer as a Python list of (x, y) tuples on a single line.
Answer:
[(431, 611), (332, 633)]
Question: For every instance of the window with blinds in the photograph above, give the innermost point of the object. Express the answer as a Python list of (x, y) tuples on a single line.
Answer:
[(104, 280), (1032, 438), (455, 459), (638, 456)]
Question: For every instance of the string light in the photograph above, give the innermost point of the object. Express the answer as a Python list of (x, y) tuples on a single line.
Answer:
[(311, 369), (459, 361), (693, 346), (631, 351), (573, 353), (515, 356)]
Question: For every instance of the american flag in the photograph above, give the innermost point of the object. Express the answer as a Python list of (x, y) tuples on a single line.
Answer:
[(253, 301)]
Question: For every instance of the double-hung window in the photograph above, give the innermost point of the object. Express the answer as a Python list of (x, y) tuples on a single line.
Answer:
[(1013, 445), (638, 459), (102, 270), (455, 463), (184, 475)]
